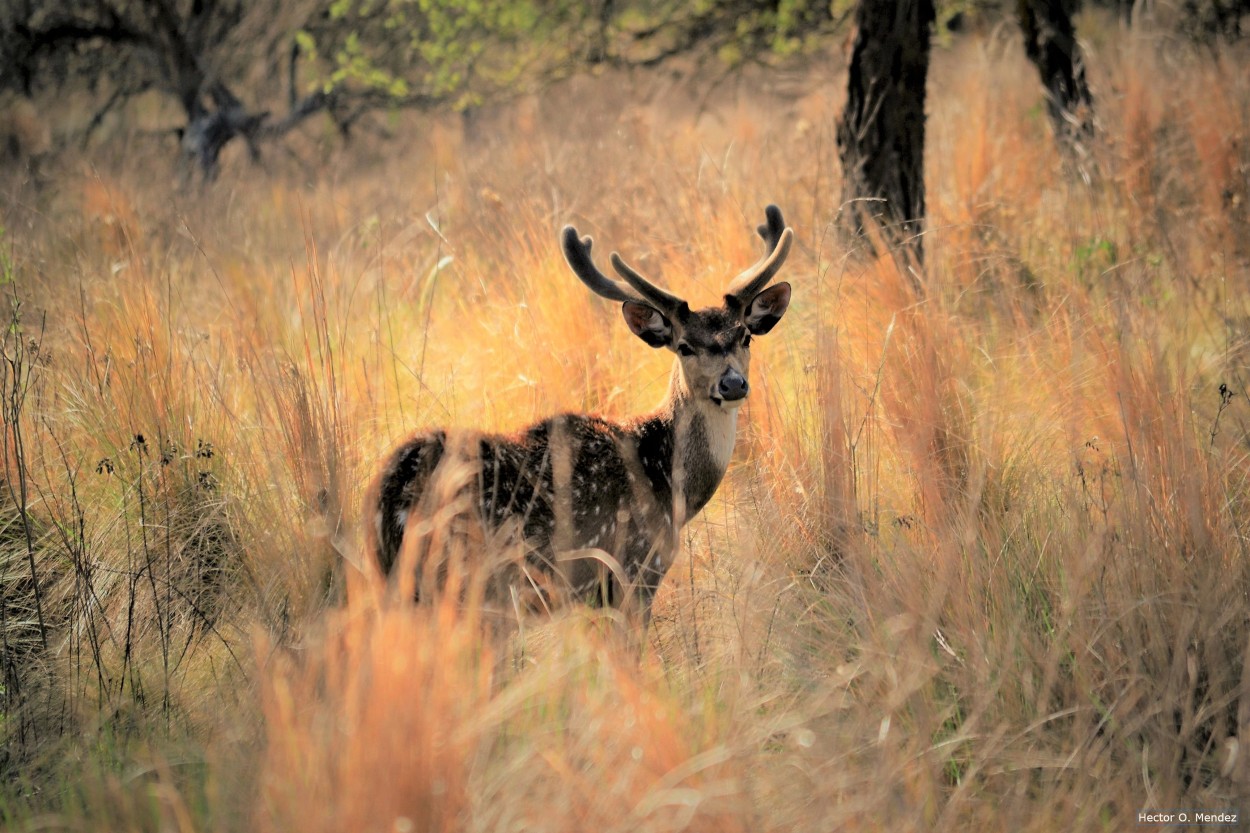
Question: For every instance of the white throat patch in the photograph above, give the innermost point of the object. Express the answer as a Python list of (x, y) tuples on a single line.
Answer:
[(721, 426)]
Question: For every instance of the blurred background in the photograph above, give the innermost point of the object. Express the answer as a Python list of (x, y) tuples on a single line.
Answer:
[(980, 559)]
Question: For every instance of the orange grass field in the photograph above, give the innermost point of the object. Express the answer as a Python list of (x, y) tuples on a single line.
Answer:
[(980, 562)]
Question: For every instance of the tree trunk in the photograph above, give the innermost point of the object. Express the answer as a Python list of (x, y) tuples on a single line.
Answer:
[(881, 132), (207, 134), (209, 130), (1207, 20), (1050, 42)]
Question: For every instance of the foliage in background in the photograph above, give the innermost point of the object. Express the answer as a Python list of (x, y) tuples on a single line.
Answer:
[(256, 71), (225, 63), (403, 52)]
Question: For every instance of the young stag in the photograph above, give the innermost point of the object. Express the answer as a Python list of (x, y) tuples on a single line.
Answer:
[(595, 505)]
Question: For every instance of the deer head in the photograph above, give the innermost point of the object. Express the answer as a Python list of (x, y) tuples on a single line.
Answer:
[(713, 345)]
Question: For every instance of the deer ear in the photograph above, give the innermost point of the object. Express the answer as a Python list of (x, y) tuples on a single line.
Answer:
[(647, 323), (766, 308)]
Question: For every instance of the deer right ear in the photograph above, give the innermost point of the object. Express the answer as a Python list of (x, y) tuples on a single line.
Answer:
[(648, 324)]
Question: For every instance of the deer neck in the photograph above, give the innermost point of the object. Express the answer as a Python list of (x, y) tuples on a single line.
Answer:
[(703, 435)]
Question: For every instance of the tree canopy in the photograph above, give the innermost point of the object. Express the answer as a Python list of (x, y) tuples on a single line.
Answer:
[(218, 59), (254, 69)]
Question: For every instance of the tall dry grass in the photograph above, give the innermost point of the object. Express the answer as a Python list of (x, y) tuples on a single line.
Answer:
[(980, 560)]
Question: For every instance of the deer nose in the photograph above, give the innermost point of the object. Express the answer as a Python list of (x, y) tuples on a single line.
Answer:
[(732, 386)]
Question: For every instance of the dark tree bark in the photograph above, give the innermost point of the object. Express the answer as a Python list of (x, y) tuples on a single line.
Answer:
[(1207, 21), (1050, 42), (881, 132), (182, 48)]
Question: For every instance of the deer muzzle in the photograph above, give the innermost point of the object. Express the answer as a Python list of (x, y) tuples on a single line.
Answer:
[(732, 386)]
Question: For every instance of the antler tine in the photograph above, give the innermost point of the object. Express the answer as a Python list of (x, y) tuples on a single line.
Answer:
[(777, 237), (772, 228), (577, 253), (664, 301)]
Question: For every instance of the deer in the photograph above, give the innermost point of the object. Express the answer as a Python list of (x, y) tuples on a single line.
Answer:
[(595, 504)]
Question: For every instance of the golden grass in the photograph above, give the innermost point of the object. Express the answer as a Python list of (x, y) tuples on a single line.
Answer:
[(980, 562)]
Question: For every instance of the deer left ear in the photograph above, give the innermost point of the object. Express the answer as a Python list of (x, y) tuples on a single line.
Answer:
[(766, 308)]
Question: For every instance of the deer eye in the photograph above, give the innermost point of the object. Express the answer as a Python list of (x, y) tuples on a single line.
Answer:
[(746, 340), (685, 349)]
